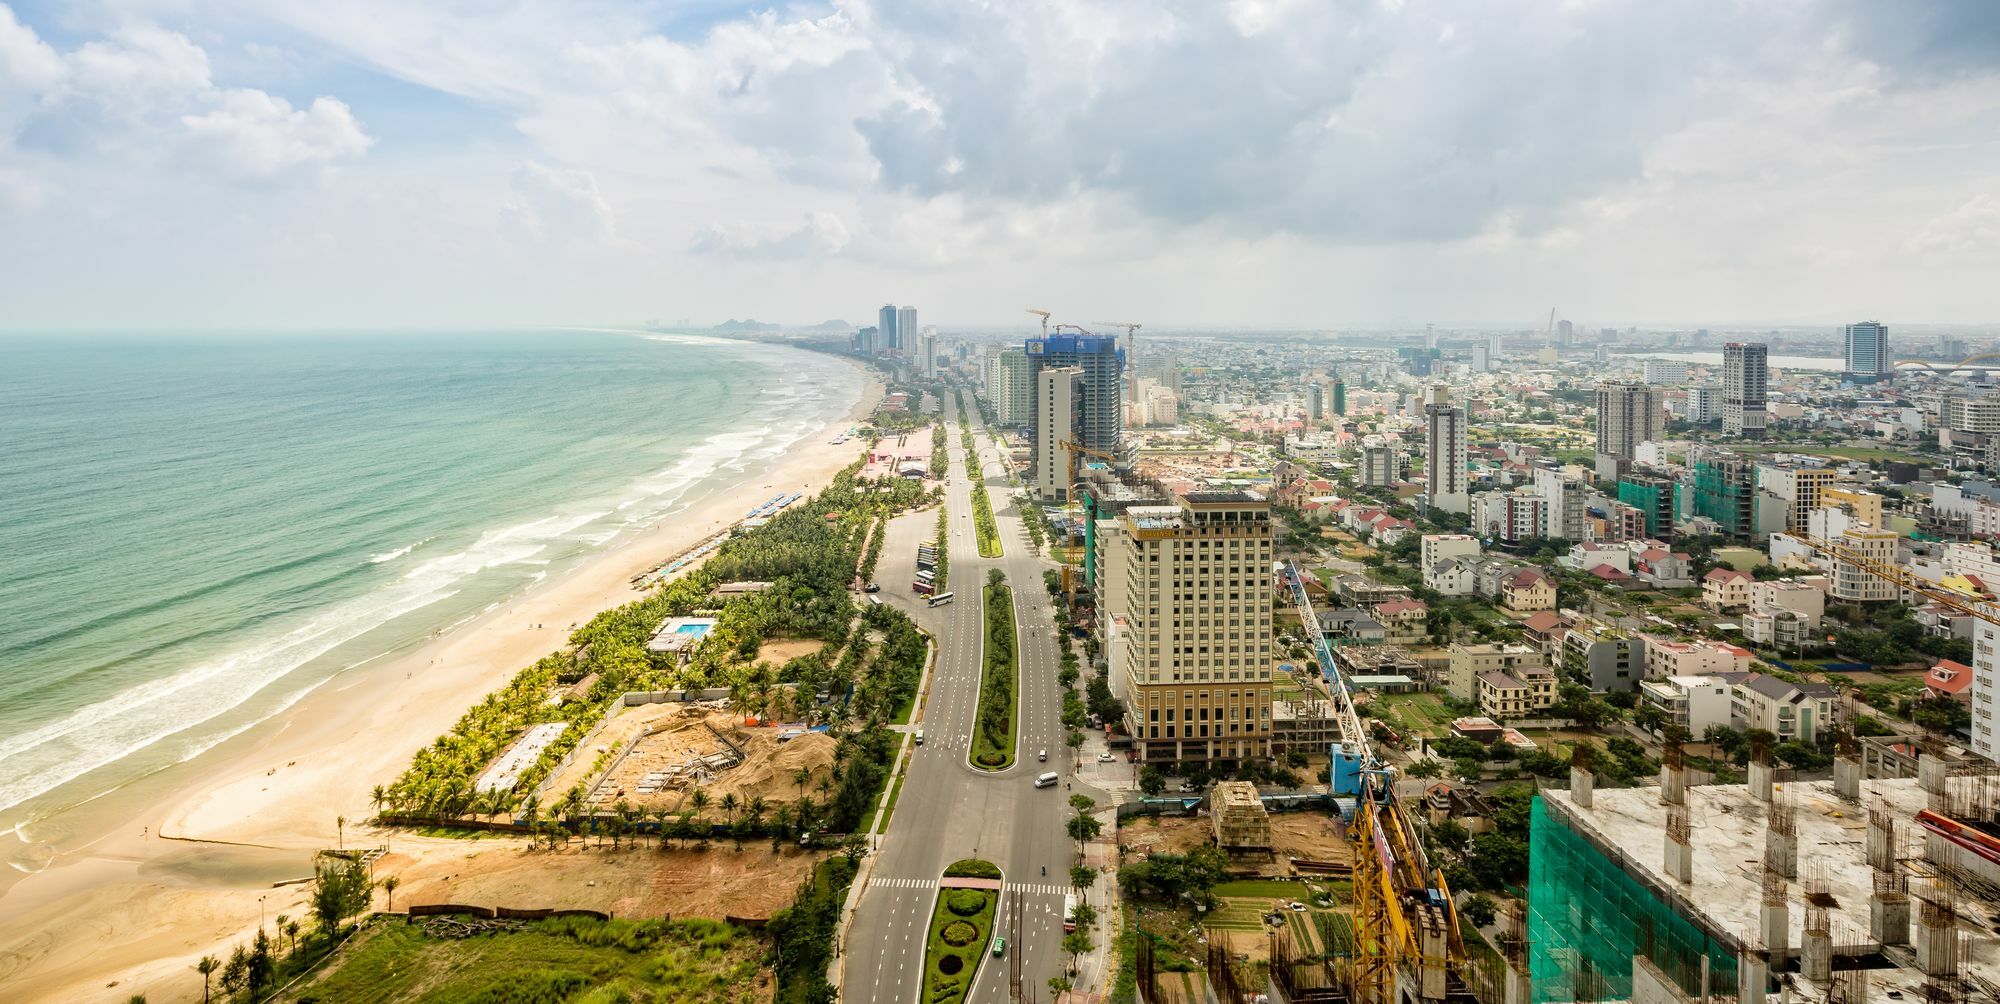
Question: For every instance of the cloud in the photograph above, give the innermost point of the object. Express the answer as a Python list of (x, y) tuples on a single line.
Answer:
[(821, 236), (1972, 227), (252, 134), (139, 68), (560, 204)]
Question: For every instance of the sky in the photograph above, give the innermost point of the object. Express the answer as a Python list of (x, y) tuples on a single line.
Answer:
[(1241, 163)]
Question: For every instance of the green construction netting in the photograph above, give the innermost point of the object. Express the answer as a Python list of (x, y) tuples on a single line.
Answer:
[(1586, 916)]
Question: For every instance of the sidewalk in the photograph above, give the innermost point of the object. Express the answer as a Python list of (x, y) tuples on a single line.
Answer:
[(1096, 969)]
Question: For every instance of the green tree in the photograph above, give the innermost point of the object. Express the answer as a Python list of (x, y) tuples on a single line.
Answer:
[(1151, 781), (340, 890), (206, 967)]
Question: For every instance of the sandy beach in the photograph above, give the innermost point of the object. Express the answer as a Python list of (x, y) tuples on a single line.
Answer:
[(190, 869)]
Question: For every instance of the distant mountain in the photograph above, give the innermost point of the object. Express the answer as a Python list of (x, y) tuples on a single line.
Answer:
[(832, 326)]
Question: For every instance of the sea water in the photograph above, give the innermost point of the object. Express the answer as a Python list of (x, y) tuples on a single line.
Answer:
[(196, 531)]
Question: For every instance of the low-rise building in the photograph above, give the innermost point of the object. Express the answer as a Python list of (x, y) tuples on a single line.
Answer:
[(1527, 590), (1468, 662), (1518, 693), (1353, 624), (1805, 598), (1602, 657), (1726, 589), (1309, 726), (1949, 680), (1792, 712), (1701, 657), (1452, 577), (1781, 629), (1437, 547), (1405, 622), (1694, 703)]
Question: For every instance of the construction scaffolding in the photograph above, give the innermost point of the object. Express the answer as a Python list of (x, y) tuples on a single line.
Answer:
[(1587, 918)]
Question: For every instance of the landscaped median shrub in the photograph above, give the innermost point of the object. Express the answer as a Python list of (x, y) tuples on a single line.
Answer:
[(994, 734), (961, 929)]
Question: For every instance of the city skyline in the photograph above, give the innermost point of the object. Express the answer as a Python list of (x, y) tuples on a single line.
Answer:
[(283, 166)]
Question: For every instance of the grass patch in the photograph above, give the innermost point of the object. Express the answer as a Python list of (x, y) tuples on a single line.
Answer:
[(961, 935), (983, 523), (999, 698), (1277, 888), (689, 960), (887, 809)]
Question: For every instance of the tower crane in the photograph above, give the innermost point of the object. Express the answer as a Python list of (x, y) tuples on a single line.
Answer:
[(1131, 358), (1076, 452), (1406, 934), (1044, 315)]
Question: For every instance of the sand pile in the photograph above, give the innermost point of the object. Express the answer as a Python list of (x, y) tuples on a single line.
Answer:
[(769, 765)]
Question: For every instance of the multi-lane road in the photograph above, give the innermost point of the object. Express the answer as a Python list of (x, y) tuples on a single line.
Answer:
[(948, 810)]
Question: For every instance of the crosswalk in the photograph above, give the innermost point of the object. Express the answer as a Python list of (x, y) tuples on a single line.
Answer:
[(1017, 888)]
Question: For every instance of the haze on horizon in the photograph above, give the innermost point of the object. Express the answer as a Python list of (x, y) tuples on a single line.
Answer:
[(1256, 163)]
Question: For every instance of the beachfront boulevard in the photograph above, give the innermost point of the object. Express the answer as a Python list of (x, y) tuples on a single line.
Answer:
[(948, 810)]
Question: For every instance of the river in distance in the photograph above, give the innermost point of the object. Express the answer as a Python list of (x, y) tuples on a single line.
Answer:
[(199, 530)]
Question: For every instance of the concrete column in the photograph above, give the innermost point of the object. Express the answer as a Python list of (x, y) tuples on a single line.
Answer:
[(1931, 772), (1889, 917), (1847, 778), (1818, 957), (1936, 931), (1518, 989), (1760, 781), (1774, 926), (1781, 852), (1581, 785), (1679, 860), (1881, 841), (1752, 973), (1673, 785)]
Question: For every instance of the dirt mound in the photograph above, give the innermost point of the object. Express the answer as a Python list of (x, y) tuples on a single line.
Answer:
[(770, 767)]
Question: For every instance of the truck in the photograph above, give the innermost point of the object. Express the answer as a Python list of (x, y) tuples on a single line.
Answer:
[(1069, 912)]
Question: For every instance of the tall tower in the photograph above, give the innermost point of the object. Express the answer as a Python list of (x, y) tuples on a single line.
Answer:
[(1627, 414), (1315, 401), (1445, 459), (885, 325), (1746, 374), (1059, 395), (1867, 351), (1339, 397), (1100, 418), (907, 331)]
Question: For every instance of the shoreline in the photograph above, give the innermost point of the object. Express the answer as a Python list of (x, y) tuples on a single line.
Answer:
[(189, 868)]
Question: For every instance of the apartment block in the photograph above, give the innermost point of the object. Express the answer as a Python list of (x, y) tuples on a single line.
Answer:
[(1469, 662), (1195, 646)]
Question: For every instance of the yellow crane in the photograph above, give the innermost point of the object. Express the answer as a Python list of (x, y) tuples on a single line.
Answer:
[(1958, 601)]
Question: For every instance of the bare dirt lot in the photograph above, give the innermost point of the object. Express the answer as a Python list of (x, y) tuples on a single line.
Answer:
[(715, 881), (1312, 835)]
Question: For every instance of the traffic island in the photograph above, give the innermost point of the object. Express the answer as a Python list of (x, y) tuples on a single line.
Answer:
[(961, 930), (993, 733)]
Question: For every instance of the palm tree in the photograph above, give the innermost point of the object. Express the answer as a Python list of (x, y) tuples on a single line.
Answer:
[(206, 967), (389, 884), (802, 777), (699, 799), (729, 805), (379, 795), (292, 933), (280, 923), (340, 824)]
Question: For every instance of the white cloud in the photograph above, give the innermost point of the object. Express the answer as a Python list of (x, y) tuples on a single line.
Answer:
[(140, 67), (560, 204), (252, 134), (821, 236), (1972, 227)]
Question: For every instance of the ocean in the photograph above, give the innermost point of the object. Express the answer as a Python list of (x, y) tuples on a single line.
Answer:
[(196, 531)]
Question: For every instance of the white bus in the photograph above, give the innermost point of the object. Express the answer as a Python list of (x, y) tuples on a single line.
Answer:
[(940, 599), (1069, 912)]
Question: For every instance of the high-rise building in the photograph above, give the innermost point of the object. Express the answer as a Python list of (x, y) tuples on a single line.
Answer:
[(1563, 504), (1666, 371), (907, 331), (1315, 401), (1058, 407), (1565, 331), (1190, 631), (1725, 491), (1974, 413), (1797, 486), (867, 341), (1482, 357), (887, 339), (929, 351), (1628, 414), (1867, 351), (1704, 404), (1339, 397), (1652, 494), (1099, 410), (1445, 446), (1746, 375), (1013, 393), (1380, 465)]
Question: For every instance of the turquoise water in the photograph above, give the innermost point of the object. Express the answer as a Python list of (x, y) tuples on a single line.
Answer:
[(197, 531)]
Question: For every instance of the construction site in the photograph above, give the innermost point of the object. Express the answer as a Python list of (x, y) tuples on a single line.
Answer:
[(1843, 891), (661, 754)]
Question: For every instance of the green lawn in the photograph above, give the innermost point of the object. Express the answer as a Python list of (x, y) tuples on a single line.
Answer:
[(690, 961), (1278, 888), (950, 963), (1420, 712), (992, 740), (889, 809)]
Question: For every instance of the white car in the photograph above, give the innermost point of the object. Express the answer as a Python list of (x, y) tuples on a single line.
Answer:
[(1106, 758)]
